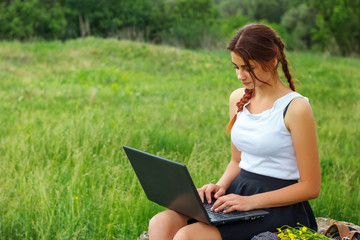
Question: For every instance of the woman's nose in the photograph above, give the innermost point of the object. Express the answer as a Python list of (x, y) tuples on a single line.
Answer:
[(241, 75)]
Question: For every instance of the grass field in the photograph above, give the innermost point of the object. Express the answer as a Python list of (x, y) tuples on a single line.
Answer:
[(66, 109)]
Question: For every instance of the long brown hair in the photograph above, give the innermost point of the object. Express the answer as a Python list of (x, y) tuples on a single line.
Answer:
[(260, 43)]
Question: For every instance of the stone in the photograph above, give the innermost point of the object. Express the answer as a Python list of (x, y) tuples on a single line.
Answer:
[(143, 236), (323, 224)]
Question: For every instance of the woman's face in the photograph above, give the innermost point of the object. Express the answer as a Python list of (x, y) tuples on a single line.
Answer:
[(243, 72)]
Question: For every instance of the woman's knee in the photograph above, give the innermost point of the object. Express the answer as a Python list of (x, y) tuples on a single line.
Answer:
[(165, 217), (167, 221), (183, 234), (198, 231)]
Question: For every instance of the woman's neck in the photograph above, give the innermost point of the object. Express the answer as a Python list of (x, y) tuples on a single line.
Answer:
[(271, 92)]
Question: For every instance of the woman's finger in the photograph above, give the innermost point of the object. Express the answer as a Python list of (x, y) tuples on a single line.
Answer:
[(223, 206), (225, 203), (217, 203), (201, 192), (220, 192), (201, 195), (209, 190), (229, 209)]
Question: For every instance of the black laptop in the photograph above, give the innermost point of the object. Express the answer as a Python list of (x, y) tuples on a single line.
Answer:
[(169, 184)]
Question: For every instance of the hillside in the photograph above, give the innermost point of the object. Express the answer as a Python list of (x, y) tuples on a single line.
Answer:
[(68, 107)]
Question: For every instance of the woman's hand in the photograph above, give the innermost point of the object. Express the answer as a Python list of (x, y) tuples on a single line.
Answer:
[(232, 202), (211, 189)]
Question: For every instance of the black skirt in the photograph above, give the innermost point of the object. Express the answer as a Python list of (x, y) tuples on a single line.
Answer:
[(246, 184)]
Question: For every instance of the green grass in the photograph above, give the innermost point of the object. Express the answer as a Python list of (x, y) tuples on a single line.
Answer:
[(66, 109)]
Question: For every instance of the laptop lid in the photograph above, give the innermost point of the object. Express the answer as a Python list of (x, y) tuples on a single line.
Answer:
[(169, 184)]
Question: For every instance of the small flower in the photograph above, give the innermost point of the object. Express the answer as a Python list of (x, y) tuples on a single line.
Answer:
[(76, 197), (292, 236), (298, 233)]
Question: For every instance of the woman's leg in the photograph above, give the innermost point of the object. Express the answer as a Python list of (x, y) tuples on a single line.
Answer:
[(198, 231), (164, 225)]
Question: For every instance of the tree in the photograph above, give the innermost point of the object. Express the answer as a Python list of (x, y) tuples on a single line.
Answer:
[(32, 18), (338, 23), (298, 23)]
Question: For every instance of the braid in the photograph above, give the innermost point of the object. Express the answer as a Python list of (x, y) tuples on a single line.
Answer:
[(284, 62), (240, 105)]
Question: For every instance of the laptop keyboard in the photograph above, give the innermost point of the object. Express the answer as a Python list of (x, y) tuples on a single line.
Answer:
[(219, 215)]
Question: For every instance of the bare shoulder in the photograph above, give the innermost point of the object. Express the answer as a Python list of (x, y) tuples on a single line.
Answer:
[(299, 112), (237, 94), (235, 97), (300, 106)]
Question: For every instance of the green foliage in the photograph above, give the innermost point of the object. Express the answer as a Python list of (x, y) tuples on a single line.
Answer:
[(299, 233), (190, 21), (235, 14), (331, 26), (68, 107), (229, 25), (338, 24), (298, 23), (31, 19), (184, 22), (270, 10), (105, 18)]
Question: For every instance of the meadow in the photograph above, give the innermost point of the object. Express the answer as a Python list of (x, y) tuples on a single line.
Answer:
[(67, 108)]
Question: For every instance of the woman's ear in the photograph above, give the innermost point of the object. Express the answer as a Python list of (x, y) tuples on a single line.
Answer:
[(275, 62)]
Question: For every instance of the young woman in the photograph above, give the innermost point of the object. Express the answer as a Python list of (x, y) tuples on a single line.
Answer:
[(274, 157)]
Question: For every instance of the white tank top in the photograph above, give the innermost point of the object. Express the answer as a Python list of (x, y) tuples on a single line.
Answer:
[(264, 141)]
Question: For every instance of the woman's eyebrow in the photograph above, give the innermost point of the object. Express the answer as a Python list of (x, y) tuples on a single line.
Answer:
[(237, 65)]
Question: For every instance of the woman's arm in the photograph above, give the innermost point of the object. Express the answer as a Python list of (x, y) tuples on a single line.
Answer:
[(300, 122)]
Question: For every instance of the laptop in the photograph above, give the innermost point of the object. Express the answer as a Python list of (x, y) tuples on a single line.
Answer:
[(169, 184)]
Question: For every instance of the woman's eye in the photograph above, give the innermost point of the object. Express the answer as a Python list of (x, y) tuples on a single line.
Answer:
[(243, 68), (248, 69)]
